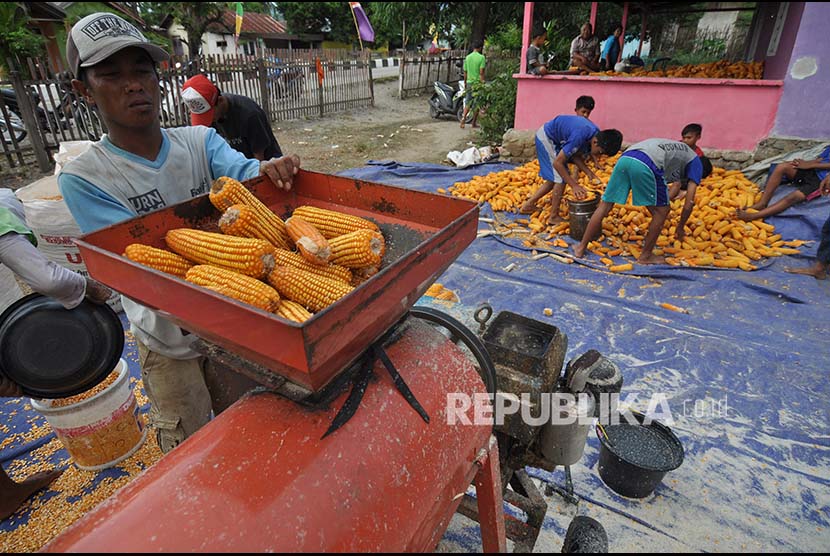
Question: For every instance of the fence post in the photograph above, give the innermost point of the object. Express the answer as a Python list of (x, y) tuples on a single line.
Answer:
[(371, 82), (262, 72), (318, 65), (401, 74), (27, 112)]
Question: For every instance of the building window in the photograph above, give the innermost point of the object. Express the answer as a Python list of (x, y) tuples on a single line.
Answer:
[(222, 44)]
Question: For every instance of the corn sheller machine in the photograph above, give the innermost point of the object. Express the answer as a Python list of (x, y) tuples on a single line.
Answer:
[(333, 434)]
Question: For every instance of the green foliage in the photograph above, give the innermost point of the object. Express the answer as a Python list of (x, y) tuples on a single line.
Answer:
[(332, 18), (507, 37), (15, 38), (497, 98), (195, 17), (390, 19)]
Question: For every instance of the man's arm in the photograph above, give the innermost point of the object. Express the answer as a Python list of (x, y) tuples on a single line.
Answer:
[(817, 164), (226, 161), (688, 206), (560, 164), (579, 161), (44, 276)]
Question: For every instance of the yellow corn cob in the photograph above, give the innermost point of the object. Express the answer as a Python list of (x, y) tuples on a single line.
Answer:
[(331, 223), (241, 221), (159, 259), (227, 192), (310, 242), (357, 249), (293, 311), (309, 290), (287, 258), (253, 257), (238, 286)]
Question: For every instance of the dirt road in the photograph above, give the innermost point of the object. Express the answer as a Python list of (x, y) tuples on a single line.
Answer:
[(393, 129)]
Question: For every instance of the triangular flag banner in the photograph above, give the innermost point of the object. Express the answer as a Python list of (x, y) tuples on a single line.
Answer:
[(363, 25)]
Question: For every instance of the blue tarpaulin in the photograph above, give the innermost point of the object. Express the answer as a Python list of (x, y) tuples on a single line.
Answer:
[(744, 375)]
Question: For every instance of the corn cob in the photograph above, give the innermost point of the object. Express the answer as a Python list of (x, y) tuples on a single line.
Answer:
[(358, 249), (288, 258), (360, 275), (241, 221), (312, 245), (238, 286), (253, 257), (226, 192), (309, 290), (293, 311), (160, 259), (332, 223)]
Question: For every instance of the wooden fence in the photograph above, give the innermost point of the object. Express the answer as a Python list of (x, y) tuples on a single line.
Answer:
[(419, 72), (39, 110)]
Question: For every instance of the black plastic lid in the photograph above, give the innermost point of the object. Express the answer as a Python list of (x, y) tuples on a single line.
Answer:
[(52, 352)]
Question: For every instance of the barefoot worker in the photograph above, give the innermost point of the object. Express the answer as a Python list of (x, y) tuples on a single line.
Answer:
[(562, 140), (643, 170), (819, 268)]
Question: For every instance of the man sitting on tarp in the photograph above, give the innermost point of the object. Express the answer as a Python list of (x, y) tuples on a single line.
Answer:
[(805, 175)]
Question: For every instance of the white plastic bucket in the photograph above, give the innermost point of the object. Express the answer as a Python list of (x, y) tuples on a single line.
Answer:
[(101, 431)]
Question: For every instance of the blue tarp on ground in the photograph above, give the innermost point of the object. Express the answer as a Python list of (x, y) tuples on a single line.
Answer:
[(744, 373)]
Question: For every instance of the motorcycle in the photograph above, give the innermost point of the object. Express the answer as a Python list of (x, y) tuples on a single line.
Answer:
[(11, 121), (448, 101)]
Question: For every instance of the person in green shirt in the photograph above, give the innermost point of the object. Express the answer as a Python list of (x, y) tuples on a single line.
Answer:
[(473, 74)]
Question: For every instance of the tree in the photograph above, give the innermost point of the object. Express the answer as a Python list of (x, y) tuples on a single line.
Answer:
[(331, 18), (406, 21), (195, 17), (15, 39)]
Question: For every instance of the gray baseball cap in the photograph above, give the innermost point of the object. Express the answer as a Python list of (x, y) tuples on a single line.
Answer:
[(98, 36)]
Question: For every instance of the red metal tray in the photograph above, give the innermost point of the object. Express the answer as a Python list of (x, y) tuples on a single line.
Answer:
[(425, 233)]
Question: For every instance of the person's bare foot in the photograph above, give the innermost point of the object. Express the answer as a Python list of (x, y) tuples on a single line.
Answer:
[(528, 208), (462, 125), (579, 251), (817, 271), (745, 215), (555, 219), (651, 259), (20, 492)]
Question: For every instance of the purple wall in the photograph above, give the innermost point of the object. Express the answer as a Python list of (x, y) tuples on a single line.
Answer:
[(775, 67), (803, 111)]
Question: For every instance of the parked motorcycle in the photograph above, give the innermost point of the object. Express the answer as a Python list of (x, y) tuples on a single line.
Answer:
[(448, 101), (11, 122)]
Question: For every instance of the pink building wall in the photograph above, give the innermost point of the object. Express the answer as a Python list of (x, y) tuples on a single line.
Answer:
[(735, 115)]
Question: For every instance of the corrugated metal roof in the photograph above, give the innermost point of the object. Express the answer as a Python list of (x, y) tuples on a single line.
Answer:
[(252, 24)]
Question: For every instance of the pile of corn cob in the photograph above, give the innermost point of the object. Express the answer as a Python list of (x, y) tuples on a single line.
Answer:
[(714, 236), (722, 69), (253, 260)]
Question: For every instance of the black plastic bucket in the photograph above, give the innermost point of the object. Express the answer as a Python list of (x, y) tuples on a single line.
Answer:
[(580, 213), (639, 456)]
